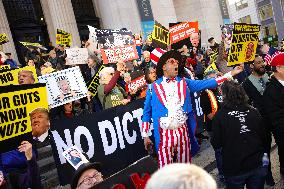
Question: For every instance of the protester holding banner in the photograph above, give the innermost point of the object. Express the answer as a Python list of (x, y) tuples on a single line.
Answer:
[(109, 92), (168, 104), (28, 176)]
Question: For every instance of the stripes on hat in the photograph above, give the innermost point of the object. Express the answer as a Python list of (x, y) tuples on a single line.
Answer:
[(271, 54), (156, 55)]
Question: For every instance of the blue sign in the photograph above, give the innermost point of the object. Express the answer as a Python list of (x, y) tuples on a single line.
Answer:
[(147, 28)]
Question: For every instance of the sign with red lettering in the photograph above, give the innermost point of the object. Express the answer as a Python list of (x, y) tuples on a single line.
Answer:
[(134, 176), (136, 84), (182, 31), (126, 53)]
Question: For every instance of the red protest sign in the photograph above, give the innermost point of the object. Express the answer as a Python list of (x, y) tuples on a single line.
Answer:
[(136, 84), (182, 31), (126, 53)]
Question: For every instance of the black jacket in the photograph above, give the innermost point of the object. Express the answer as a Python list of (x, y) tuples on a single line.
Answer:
[(241, 135), (274, 103)]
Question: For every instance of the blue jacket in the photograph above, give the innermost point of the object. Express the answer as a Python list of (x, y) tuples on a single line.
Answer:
[(154, 108), (11, 62)]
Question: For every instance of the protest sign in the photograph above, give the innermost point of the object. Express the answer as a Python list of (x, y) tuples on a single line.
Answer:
[(16, 104), (244, 43), (93, 43), (75, 157), (125, 53), (95, 82), (211, 67), (189, 38), (64, 86), (25, 75), (182, 31), (147, 29), (112, 137), (77, 56), (113, 39), (32, 45), (5, 67), (111, 32), (3, 38), (160, 36), (137, 81), (63, 38), (133, 177)]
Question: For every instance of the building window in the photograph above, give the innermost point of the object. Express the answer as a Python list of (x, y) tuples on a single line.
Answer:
[(19, 9), (245, 19), (269, 30), (241, 4), (265, 12)]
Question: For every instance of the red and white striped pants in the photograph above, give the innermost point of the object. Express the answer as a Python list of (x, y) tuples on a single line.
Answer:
[(172, 141)]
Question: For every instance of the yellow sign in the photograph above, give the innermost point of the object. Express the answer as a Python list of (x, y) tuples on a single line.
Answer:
[(95, 82), (30, 44), (244, 43), (63, 38), (3, 38), (15, 108), (160, 34), (5, 67), (25, 75)]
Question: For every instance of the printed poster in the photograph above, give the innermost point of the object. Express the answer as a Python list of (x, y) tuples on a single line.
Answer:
[(244, 43), (125, 53), (64, 86), (63, 38), (182, 31), (20, 76), (160, 36), (17, 104)]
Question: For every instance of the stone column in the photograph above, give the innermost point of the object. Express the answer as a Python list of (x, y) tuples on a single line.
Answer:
[(164, 11), (4, 28), (48, 20), (117, 14), (63, 17)]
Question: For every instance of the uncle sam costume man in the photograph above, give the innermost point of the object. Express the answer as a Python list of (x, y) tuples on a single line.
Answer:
[(168, 104)]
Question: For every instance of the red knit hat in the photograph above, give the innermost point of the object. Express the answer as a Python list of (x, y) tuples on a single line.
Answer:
[(278, 60), (156, 55)]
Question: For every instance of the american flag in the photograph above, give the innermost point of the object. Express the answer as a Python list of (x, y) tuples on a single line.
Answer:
[(271, 54)]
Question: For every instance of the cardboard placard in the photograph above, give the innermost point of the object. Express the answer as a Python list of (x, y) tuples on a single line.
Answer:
[(244, 43), (25, 75), (16, 103), (63, 38), (3, 38), (111, 137), (182, 31), (125, 53), (160, 36), (64, 86), (93, 84), (77, 56)]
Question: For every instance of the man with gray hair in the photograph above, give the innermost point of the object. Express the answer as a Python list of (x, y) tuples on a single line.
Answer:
[(181, 176)]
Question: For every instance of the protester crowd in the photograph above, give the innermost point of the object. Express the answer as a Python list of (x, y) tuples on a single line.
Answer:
[(240, 116)]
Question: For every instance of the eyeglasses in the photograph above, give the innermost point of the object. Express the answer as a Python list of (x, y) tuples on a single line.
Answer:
[(89, 181)]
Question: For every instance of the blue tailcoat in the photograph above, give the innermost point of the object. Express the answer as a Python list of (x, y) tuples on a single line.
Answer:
[(154, 108)]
